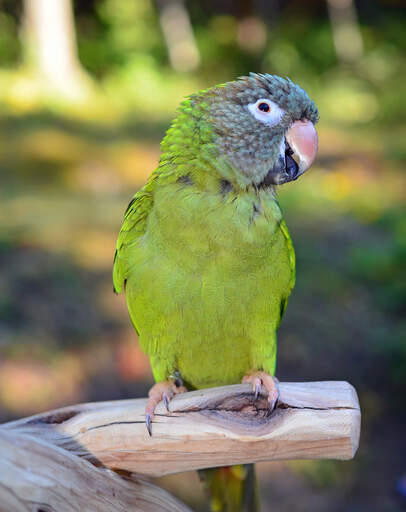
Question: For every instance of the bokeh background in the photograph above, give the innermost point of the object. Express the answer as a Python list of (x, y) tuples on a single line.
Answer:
[(87, 90)]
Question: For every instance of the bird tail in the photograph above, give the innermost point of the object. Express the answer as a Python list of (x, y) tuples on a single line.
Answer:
[(232, 488)]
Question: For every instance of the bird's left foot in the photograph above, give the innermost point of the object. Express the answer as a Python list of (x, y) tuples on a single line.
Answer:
[(260, 381), (164, 391)]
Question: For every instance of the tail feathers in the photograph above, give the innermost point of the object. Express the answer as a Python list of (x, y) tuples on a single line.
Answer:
[(232, 488)]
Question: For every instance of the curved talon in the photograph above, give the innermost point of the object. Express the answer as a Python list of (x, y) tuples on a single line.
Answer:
[(274, 402), (164, 391), (148, 423), (257, 390), (259, 379)]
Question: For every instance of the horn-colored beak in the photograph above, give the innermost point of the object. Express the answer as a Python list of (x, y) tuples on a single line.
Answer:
[(302, 138)]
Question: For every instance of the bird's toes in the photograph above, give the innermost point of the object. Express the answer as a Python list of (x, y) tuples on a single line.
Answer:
[(161, 391), (273, 395), (261, 381)]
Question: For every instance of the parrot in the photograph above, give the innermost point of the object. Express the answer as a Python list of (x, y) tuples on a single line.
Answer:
[(204, 256)]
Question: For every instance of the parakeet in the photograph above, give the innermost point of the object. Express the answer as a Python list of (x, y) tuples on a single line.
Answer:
[(204, 255)]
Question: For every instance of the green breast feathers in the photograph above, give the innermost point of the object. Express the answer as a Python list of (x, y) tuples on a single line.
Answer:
[(206, 281)]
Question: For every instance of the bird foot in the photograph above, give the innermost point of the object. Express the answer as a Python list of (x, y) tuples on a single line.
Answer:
[(260, 381), (164, 391)]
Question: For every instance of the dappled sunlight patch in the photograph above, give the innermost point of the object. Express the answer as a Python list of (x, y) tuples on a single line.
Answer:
[(336, 186), (134, 162), (26, 92), (93, 249), (334, 141), (79, 225), (52, 145), (348, 101), (81, 156), (20, 90), (28, 386), (283, 56), (95, 175), (151, 90), (347, 177)]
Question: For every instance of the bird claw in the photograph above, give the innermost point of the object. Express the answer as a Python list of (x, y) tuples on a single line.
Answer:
[(162, 391), (148, 423), (272, 405), (261, 379), (274, 402), (257, 390)]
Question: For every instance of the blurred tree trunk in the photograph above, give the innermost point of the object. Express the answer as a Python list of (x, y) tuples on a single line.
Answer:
[(346, 31), (50, 48), (178, 33)]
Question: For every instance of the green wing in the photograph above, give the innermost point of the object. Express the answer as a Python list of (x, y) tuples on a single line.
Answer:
[(292, 264), (133, 227)]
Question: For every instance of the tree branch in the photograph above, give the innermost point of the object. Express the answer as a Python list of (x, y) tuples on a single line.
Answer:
[(36, 476), (206, 428)]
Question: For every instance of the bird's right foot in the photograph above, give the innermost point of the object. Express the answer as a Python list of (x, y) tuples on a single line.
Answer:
[(263, 381), (164, 391)]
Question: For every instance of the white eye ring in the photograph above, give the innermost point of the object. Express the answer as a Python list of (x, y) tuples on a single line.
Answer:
[(269, 117)]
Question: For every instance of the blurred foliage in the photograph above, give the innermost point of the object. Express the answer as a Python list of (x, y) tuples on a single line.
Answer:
[(9, 42), (67, 172), (121, 44)]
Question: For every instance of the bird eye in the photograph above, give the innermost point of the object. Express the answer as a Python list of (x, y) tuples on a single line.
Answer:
[(263, 106), (266, 111)]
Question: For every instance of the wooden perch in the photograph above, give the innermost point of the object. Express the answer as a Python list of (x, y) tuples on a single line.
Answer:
[(38, 477), (206, 428)]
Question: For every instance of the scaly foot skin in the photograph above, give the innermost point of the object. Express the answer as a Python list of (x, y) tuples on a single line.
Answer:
[(263, 379), (164, 391)]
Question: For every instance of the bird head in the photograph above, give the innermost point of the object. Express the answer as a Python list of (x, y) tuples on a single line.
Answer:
[(255, 131), (264, 126)]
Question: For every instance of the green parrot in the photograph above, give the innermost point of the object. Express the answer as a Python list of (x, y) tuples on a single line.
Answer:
[(204, 255)]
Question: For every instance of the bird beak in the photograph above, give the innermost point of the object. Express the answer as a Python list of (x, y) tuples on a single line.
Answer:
[(300, 142), (303, 140)]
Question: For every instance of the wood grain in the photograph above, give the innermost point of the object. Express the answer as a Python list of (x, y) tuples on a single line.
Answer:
[(38, 477), (206, 428)]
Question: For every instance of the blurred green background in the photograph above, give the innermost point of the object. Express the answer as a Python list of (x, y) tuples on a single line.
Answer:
[(87, 91)]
